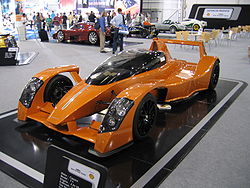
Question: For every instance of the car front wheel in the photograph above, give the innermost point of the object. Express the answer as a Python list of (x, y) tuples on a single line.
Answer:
[(196, 27), (172, 30), (60, 36), (144, 33), (93, 38), (145, 117), (56, 88)]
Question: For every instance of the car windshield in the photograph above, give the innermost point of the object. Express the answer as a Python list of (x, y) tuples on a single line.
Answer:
[(77, 26), (167, 22), (124, 65)]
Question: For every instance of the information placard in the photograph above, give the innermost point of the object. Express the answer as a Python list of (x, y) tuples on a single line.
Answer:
[(8, 56), (218, 13), (65, 169)]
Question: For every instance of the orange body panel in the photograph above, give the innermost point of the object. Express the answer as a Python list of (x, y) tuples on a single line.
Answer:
[(181, 79)]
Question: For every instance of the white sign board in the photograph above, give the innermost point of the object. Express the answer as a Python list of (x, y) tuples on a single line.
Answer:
[(82, 171), (220, 13)]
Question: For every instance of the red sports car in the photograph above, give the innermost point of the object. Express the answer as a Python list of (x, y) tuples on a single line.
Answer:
[(80, 32)]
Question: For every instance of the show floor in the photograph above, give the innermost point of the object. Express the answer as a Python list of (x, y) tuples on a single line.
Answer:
[(220, 159)]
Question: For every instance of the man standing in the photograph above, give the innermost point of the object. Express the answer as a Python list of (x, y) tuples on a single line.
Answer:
[(52, 15), (92, 17), (128, 18), (56, 22), (21, 27), (102, 31), (117, 22), (64, 21), (38, 22), (70, 18), (48, 21)]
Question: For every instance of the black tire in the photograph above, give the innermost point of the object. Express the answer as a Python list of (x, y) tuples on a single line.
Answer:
[(93, 38), (196, 27), (173, 30), (60, 36), (214, 76), (144, 33), (56, 88), (145, 117)]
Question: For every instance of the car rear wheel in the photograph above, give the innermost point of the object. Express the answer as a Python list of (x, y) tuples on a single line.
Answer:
[(196, 27), (56, 88), (60, 36), (172, 30), (214, 76), (93, 38), (145, 117)]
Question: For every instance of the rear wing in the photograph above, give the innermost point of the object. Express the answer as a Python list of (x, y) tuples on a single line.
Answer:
[(159, 45)]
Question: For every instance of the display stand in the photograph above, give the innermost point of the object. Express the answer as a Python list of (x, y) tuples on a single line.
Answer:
[(65, 169), (8, 56), (25, 147), (12, 56)]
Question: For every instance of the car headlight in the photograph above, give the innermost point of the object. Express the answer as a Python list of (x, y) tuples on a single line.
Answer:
[(116, 112), (29, 91)]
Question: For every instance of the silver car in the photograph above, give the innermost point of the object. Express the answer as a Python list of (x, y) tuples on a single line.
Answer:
[(168, 25)]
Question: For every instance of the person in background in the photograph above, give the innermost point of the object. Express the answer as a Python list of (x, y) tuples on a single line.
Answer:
[(21, 27), (52, 15), (92, 17), (61, 20), (85, 17), (128, 18), (38, 22), (113, 14), (80, 18), (42, 21), (30, 19), (48, 21), (34, 19), (12, 19), (70, 18), (64, 21), (56, 22), (74, 21), (102, 30), (108, 18), (117, 22)]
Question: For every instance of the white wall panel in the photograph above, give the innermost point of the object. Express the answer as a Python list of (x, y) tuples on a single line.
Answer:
[(164, 9)]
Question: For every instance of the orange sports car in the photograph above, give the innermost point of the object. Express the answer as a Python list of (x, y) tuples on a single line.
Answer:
[(125, 88)]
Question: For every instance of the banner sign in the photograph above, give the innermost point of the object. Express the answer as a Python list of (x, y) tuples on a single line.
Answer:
[(218, 13)]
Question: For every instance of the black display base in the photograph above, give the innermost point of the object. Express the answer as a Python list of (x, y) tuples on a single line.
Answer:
[(8, 56), (24, 147), (12, 56)]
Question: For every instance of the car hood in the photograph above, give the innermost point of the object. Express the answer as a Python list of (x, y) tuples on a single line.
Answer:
[(81, 101)]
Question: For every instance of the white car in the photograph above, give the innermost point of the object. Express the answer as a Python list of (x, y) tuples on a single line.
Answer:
[(194, 24), (168, 25)]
